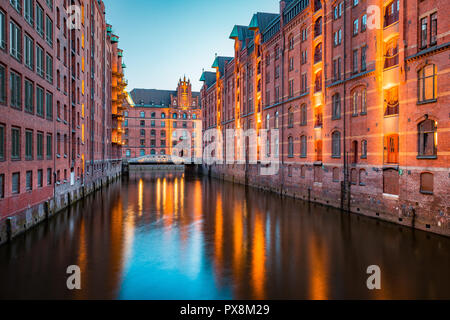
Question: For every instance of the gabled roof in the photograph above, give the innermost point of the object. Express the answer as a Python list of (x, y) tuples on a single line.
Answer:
[(208, 78), (219, 63), (261, 20), (241, 33), (154, 97)]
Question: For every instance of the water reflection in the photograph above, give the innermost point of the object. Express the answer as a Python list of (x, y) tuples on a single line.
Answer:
[(177, 237)]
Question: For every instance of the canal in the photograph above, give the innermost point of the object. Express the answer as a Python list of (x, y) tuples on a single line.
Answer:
[(173, 236)]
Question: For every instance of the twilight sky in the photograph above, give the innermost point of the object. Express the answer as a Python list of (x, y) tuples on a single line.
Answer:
[(165, 39)]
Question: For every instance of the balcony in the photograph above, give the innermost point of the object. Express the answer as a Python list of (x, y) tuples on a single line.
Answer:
[(390, 61)]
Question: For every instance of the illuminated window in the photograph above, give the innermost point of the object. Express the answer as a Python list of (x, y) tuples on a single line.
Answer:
[(427, 86)]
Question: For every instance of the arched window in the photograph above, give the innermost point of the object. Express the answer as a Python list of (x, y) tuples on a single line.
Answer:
[(336, 175), (290, 117), (391, 101), (174, 116), (194, 116), (142, 114), (153, 115), (336, 144), (426, 183), (291, 42), (362, 177), (268, 122), (355, 103), (318, 53), (364, 101), (290, 147), (318, 82), (353, 176), (303, 172), (427, 83), (153, 152), (364, 149), (184, 116), (336, 112), (303, 147), (163, 115), (391, 54), (268, 146), (303, 115), (427, 138), (318, 27), (163, 152), (142, 152)]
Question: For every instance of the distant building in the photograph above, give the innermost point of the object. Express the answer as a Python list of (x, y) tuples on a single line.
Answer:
[(158, 120)]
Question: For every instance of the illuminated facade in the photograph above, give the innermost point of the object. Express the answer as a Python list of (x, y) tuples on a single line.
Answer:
[(360, 104), (59, 119), (158, 120)]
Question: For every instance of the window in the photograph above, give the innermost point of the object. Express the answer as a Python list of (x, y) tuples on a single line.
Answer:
[(29, 52), (304, 87), (336, 144), (142, 133), (318, 53), (40, 61), (28, 145), (291, 42), (391, 182), (427, 87), (291, 88), (49, 31), (364, 58), (336, 112), (426, 183), (49, 177), (49, 69), (2, 85), (337, 69), (364, 101), (289, 171), (290, 118), (318, 27), (362, 177), (303, 172), (433, 31), (290, 147), (2, 142), (353, 176), (364, 23), (364, 149), (2, 30), (142, 143), (15, 143), (427, 138), (142, 152), (355, 61), (303, 147), (303, 115), (15, 183), (40, 145), (49, 146), (391, 56), (29, 11), (318, 82), (15, 41), (276, 120), (355, 27), (391, 14), (16, 90), (29, 181), (391, 101), (39, 101), (424, 32), (29, 96), (39, 178), (142, 114), (40, 20)]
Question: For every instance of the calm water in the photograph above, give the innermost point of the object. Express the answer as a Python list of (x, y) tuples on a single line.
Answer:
[(177, 237)]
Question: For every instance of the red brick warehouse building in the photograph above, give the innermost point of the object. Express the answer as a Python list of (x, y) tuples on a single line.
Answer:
[(61, 94), (362, 108), (158, 120)]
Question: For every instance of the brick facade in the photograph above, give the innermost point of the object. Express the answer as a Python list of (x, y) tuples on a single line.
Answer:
[(361, 108), (63, 112), (157, 119)]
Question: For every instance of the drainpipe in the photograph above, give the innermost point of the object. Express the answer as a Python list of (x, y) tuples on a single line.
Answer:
[(346, 188)]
